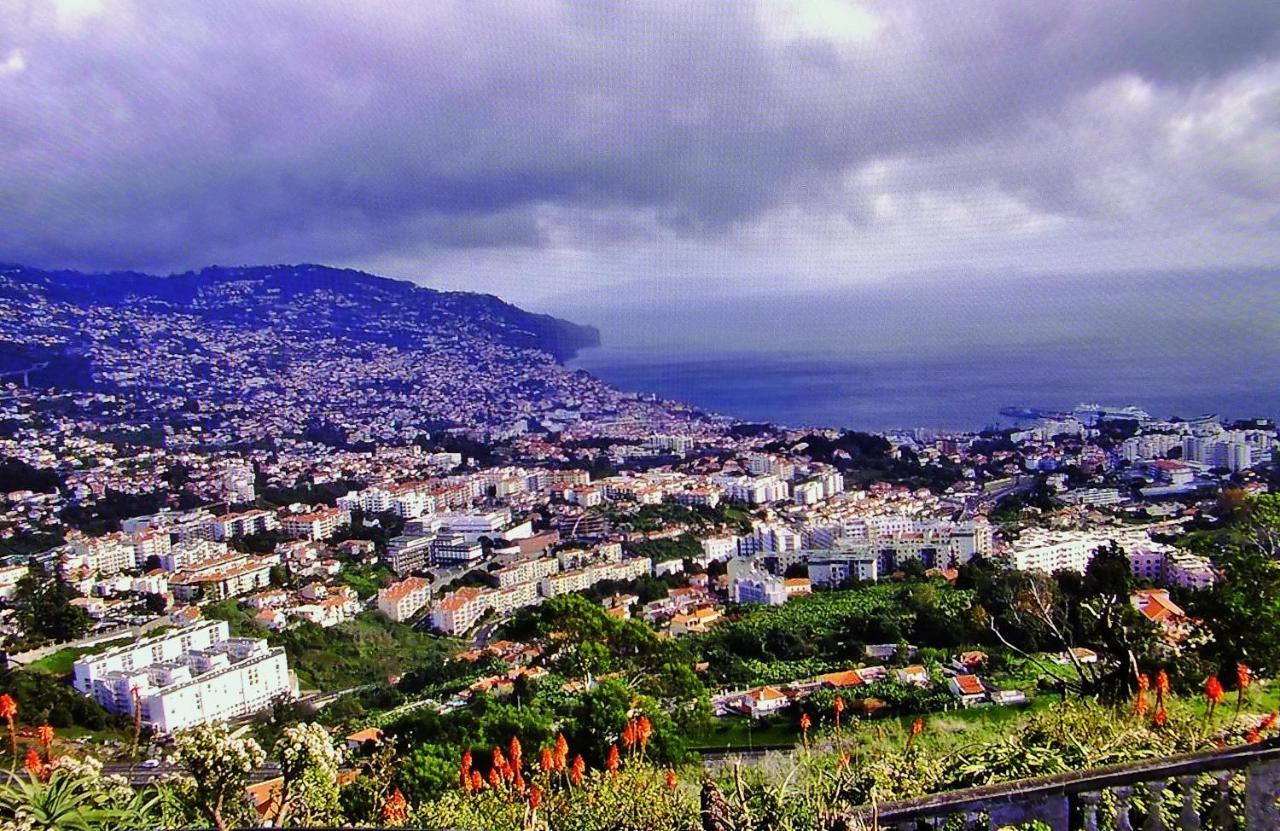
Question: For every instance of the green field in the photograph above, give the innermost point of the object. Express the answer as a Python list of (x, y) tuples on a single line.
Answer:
[(59, 663)]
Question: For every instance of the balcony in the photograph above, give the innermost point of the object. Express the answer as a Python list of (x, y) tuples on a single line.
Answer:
[(1235, 788)]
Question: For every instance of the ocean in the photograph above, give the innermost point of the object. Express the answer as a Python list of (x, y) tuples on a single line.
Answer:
[(897, 358)]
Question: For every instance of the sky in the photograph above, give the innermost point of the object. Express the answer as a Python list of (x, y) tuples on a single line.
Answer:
[(581, 157)]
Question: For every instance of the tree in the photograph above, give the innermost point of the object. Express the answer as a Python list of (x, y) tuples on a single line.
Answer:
[(219, 766), (42, 606)]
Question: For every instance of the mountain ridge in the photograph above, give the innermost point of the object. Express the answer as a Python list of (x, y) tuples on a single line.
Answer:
[(203, 291)]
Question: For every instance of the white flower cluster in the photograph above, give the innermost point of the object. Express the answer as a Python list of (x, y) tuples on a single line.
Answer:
[(303, 746), (211, 754)]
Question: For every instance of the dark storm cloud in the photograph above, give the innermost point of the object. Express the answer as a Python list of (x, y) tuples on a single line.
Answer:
[(175, 134)]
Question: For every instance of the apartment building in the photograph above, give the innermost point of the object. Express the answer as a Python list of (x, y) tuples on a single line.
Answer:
[(186, 677), (581, 579), (458, 611), (315, 525), (749, 582), (450, 550), (192, 553), (409, 553), (526, 571), (219, 579), (243, 524), (402, 600)]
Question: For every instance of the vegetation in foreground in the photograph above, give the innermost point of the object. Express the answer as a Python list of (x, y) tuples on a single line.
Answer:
[(551, 785)]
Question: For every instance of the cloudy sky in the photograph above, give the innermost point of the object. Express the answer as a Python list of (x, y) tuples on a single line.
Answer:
[(565, 154)]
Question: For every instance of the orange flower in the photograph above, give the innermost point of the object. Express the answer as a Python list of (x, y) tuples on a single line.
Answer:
[(1254, 736), (518, 781), (546, 760), (495, 778), (1162, 683), (535, 797), (629, 735), (35, 765), (1140, 705), (579, 769), (1162, 716), (515, 752), (644, 730), (8, 707), (44, 733), (805, 723), (1244, 676), (917, 727), (614, 762), (464, 768), (396, 809), (671, 780), (1213, 691), (1269, 722), (839, 708), (562, 752), (500, 763), (477, 781)]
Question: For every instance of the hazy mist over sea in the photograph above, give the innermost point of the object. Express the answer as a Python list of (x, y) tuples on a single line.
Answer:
[(949, 352)]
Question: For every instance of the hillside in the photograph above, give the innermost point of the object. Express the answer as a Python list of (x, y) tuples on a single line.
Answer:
[(346, 303), (229, 355)]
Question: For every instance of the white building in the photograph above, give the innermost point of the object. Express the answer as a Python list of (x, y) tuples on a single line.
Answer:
[(315, 525), (243, 524), (581, 579), (750, 583), (401, 601), (186, 677)]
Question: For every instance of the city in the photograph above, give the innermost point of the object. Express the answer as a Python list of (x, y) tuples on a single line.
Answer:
[(812, 415), (241, 571)]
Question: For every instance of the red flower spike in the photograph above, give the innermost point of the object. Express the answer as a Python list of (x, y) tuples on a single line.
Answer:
[(671, 780), (1213, 691), (614, 761), (579, 769)]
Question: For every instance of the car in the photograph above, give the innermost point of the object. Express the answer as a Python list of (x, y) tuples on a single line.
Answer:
[(151, 763)]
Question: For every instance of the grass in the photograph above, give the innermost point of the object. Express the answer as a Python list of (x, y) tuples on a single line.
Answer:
[(365, 650), (59, 663)]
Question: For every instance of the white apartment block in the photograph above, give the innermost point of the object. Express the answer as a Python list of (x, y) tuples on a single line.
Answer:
[(243, 524), (1172, 567), (526, 571), (401, 601), (192, 553), (1094, 496), (148, 544), (719, 548), (315, 525), (750, 583), (1149, 446), (581, 579), (187, 677), (219, 579), (458, 611), (1049, 551), (833, 568), (758, 490), (473, 526), (188, 525), (105, 555)]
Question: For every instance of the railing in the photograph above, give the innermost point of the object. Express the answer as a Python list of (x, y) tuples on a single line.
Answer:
[(1236, 788)]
